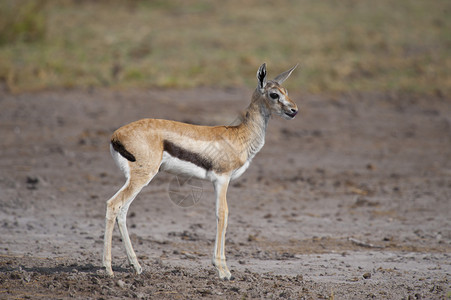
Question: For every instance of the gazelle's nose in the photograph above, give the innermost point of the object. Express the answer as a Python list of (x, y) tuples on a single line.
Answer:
[(293, 112)]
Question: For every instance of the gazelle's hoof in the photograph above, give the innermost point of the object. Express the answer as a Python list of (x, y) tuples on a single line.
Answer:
[(109, 272), (229, 278), (138, 269), (223, 271), (225, 275)]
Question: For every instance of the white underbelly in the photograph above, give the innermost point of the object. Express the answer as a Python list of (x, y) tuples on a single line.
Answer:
[(177, 166)]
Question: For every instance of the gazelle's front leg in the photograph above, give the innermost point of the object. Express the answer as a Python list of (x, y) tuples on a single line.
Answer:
[(222, 211)]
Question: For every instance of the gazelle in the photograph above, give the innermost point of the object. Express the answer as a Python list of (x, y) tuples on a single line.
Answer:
[(219, 154)]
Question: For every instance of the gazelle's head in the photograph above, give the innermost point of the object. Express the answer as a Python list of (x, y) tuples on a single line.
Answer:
[(274, 95)]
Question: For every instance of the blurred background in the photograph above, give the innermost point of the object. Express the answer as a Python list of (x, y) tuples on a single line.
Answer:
[(350, 45)]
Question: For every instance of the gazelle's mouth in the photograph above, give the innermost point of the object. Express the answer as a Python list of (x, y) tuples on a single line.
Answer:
[(292, 115)]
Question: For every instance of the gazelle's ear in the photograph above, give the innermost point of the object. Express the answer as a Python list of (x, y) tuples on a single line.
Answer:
[(283, 76), (261, 77)]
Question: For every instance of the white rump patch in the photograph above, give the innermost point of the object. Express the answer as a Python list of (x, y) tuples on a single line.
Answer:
[(121, 162)]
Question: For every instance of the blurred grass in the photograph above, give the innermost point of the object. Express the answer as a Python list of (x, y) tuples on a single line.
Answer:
[(350, 45)]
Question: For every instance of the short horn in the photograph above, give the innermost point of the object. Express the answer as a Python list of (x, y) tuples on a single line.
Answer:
[(283, 76)]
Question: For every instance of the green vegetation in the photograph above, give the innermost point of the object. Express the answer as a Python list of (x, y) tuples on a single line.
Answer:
[(362, 45)]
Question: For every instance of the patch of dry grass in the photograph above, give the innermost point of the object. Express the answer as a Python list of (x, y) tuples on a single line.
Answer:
[(341, 45)]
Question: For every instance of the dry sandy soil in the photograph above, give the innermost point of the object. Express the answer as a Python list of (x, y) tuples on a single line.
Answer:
[(351, 200)]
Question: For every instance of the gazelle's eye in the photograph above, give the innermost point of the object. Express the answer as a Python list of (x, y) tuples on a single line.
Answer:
[(274, 96)]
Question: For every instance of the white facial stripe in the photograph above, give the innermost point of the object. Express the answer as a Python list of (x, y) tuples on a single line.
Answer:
[(284, 101), (283, 94)]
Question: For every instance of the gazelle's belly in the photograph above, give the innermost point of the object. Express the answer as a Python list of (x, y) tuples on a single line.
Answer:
[(177, 166)]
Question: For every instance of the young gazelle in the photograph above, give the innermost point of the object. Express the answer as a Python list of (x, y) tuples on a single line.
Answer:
[(219, 154)]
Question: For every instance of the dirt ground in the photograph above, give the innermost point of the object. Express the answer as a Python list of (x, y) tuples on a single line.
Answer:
[(351, 200)]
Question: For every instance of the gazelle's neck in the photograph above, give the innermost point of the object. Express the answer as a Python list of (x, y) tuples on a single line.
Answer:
[(255, 122), (258, 109)]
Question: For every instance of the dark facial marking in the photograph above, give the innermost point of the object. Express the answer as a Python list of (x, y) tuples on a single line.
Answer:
[(187, 155)]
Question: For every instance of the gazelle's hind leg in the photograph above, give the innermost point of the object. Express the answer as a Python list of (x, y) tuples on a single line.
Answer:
[(112, 210), (122, 224), (118, 205)]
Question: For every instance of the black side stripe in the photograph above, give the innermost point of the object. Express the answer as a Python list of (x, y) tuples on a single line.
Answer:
[(187, 155), (122, 151)]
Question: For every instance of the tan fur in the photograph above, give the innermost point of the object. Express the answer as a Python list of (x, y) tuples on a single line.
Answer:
[(229, 149)]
